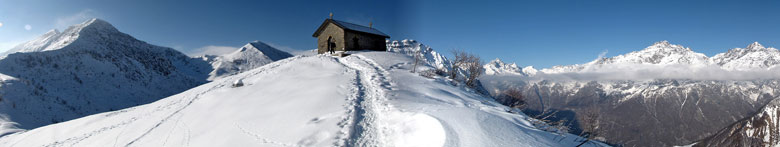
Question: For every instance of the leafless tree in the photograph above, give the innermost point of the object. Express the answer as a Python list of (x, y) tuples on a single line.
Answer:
[(590, 122), (512, 97), (471, 63), (417, 58), (460, 57)]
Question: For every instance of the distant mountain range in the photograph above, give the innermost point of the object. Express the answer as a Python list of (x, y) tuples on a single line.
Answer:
[(753, 57), (662, 95)]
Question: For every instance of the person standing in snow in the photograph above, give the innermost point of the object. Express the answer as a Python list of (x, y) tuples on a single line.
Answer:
[(331, 45)]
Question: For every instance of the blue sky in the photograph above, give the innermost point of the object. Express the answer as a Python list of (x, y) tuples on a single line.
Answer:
[(538, 33)]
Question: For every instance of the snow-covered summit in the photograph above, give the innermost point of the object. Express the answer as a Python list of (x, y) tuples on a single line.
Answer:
[(496, 66), (662, 53), (36, 44), (414, 48), (94, 28), (754, 56), (250, 56), (755, 45), (530, 70)]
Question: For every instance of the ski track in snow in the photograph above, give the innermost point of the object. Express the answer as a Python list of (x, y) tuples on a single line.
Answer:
[(73, 141), (369, 103)]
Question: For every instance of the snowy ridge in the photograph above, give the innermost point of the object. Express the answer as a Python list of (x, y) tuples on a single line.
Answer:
[(663, 60), (496, 66), (250, 56), (411, 47), (37, 44), (365, 99), (660, 53), (753, 57), (54, 39)]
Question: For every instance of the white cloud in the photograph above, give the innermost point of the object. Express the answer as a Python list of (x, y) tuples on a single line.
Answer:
[(81, 16), (27, 27), (211, 50), (7, 45), (1, 24), (651, 72), (603, 54), (290, 49)]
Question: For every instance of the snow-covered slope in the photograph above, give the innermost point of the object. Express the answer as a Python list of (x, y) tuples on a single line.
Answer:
[(250, 56), (86, 69), (753, 57), (366, 99), (761, 129)]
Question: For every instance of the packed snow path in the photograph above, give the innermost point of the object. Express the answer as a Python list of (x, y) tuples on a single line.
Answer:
[(370, 85), (366, 99)]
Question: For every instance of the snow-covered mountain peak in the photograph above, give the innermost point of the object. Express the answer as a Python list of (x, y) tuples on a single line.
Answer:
[(659, 53), (36, 44), (662, 43), (754, 56), (530, 70), (497, 61), (258, 49), (90, 67), (250, 56), (51, 32), (97, 25), (496, 66), (667, 47), (97, 30), (414, 48), (755, 46)]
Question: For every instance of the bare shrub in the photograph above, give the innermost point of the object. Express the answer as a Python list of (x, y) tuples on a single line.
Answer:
[(431, 73), (590, 125), (471, 63), (417, 58), (544, 122), (512, 97)]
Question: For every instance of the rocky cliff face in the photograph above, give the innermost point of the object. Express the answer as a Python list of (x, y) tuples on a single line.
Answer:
[(760, 129)]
